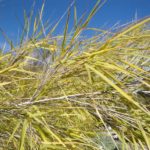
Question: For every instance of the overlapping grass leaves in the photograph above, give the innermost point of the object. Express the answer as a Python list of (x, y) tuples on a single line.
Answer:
[(61, 92)]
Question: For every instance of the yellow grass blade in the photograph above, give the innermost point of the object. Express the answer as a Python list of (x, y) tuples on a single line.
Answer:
[(14, 131), (147, 140), (124, 94), (23, 134)]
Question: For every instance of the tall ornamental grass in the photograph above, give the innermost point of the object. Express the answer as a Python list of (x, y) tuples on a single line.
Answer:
[(64, 92)]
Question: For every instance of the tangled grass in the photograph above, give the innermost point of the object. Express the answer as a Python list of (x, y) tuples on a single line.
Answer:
[(63, 92)]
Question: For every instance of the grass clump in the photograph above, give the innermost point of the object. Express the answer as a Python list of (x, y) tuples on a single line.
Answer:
[(65, 91)]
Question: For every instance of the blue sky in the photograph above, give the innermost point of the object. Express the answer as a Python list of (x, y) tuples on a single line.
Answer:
[(113, 11)]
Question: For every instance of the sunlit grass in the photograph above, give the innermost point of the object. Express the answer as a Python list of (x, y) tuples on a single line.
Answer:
[(63, 92)]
